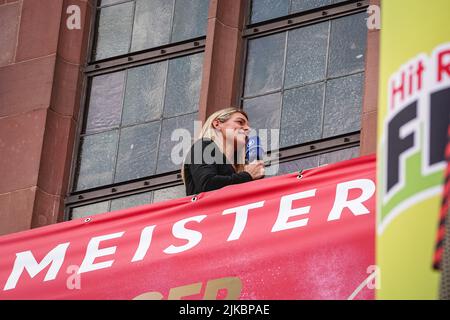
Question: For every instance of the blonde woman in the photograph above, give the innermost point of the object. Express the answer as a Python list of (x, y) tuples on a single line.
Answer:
[(216, 159)]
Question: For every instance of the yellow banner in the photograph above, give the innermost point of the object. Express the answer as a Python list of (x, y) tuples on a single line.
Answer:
[(414, 98)]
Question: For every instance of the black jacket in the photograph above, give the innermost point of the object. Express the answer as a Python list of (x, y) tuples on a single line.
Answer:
[(203, 173)]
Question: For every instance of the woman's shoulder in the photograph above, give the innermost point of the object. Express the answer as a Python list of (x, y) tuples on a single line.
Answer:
[(201, 143), (204, 141), (201, 149)]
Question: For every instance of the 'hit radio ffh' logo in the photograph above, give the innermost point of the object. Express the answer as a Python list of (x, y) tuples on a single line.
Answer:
[(415, 132)]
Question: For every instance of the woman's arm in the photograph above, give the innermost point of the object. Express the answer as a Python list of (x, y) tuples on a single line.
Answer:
[(207, 178)]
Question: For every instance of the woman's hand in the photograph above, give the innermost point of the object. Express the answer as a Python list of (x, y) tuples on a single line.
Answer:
[(255, 169)]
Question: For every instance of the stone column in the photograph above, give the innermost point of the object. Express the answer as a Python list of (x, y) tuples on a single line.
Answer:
[(222, 64), (41, 79), (370, 99)]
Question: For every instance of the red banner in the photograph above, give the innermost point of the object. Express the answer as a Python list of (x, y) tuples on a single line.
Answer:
[(279, 238)]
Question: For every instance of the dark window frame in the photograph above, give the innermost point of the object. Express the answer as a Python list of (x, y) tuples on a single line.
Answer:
[(283, 24), (170, 179), (102, 67)]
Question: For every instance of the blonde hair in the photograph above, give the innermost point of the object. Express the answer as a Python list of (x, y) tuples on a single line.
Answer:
[(209, 132)]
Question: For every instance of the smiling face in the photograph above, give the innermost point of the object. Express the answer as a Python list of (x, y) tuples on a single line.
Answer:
[(236, 128)]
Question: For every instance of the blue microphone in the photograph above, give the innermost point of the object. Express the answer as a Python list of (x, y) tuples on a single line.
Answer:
[(254, 150)]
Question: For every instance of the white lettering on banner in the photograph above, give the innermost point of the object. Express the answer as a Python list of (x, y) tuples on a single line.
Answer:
[(356, 206), (241, 218), (26, 261), (55, 258), (179, 231), (286, 211), (144, 243), (93, 252)]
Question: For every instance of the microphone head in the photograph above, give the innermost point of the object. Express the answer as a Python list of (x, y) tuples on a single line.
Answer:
[(254, 150)]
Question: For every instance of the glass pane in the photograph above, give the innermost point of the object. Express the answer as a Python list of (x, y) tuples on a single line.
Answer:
[(264, 64), (301, 119), (131, 201), (169, 193), (90, 210), (96, 160), (268, 9), (152, 24), (305, 5), (264, 113), (144, 93), (183, 85), (343, 105), (114, 31), (306, 55), (105, 103), (339, 155), (297, 165), (138, 149), (108, 2), (167, 146), (190, 19), (347, 45)]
